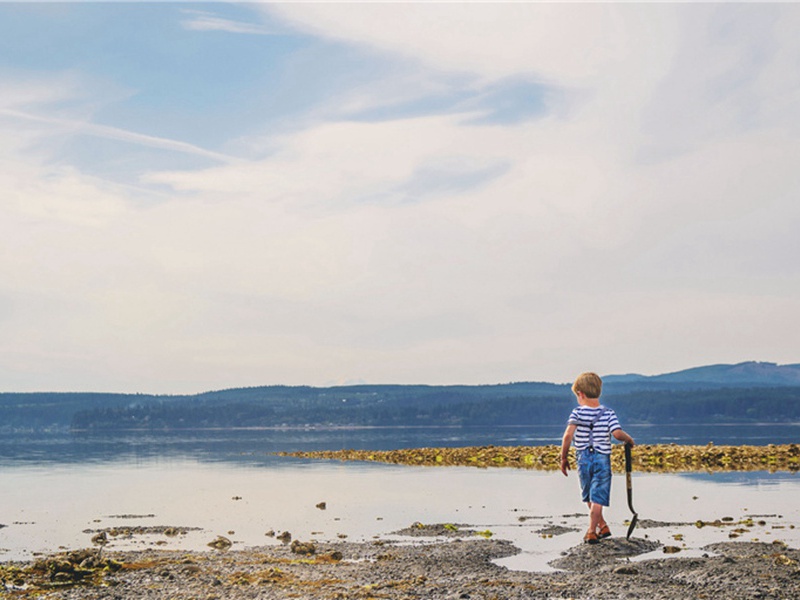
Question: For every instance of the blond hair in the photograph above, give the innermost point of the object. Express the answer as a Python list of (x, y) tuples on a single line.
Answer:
[(589, 384)]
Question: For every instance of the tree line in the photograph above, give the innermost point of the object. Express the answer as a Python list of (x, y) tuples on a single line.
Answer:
[(666, 407), (387, 405)]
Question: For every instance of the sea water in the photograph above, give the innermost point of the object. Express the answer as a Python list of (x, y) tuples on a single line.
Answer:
[(57, 491)]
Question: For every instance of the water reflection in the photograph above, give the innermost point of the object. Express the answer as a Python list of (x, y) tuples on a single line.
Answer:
[(257, 446), (61, 505)]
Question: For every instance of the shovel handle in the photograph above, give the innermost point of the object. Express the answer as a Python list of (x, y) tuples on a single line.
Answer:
[(628, 460), (629, 483), (628, 469)]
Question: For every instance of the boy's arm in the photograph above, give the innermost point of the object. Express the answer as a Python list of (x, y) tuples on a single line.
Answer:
[(566, 442), (623, 437)]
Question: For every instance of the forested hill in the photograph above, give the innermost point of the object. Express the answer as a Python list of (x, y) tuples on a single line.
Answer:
[(754, 392)]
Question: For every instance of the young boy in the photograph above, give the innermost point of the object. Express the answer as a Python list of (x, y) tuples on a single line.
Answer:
[(591, 426)]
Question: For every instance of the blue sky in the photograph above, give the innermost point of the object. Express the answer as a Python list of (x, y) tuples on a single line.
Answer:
[(205, 195)]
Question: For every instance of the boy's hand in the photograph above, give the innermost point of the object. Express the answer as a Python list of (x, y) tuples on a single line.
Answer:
[(565, 466), (623, 437)]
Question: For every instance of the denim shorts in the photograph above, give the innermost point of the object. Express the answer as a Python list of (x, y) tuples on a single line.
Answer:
[(594, 472)]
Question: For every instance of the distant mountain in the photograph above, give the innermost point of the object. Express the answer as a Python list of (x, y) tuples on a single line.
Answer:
[(746, 374)]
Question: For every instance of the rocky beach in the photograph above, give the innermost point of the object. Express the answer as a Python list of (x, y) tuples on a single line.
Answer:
[(451, 563)]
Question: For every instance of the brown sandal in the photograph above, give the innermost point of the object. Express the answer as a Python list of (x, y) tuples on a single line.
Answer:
[(604, 532), (591, 538)]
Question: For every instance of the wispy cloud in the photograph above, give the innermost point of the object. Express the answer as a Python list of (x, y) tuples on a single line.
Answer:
[(200, 20), (76, 127)]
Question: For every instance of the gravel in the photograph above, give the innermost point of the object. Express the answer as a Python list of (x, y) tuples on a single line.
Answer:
[(448, 567)]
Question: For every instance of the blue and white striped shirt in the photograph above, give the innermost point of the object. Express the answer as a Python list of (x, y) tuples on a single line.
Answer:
[(595, 426)]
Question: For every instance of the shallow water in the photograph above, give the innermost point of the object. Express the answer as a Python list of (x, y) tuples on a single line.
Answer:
[(254, 445), (48, 507), (56, 488)]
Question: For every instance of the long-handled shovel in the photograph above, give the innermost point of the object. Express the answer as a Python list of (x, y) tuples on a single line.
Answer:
[(630, 490)]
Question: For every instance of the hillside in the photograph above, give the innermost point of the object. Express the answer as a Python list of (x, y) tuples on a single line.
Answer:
[(746, 392), (746, 374)]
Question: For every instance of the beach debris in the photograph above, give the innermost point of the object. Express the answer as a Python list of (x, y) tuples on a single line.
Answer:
[(221, 543), (66, 569), (451, 530), (333, 556), (671, 549), (304, 548), (128, 532), (553, 530), (626, 570), (322, 505), (100, 539), (285, 537), (270, 533), (782, 559), (726, 522)]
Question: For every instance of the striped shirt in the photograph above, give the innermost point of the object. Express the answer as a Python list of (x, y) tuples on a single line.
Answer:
[(595, 426)]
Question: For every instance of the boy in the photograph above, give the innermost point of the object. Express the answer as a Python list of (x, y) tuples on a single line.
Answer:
[(591, 425)]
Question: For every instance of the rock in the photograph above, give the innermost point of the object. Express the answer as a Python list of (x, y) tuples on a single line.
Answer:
[(285, 537), (626, 570), (100, 539), (305, 548), (552, 530), (221, 543)]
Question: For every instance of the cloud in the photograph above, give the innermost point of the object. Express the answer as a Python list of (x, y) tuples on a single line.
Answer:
[(74, 127), (563, 43), (635, 211), (201, 20)]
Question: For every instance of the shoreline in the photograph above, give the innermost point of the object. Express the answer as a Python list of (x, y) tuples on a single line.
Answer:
[(450, 566)]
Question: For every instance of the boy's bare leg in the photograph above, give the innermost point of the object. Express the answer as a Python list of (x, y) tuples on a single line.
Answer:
[(595, 516)]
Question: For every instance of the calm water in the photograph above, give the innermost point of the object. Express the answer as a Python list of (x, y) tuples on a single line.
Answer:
[(258, 445), (54, 489)]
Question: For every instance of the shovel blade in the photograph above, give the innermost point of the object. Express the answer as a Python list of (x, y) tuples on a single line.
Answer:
[(632, 526)]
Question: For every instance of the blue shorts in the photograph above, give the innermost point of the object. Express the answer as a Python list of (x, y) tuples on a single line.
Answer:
[(594, 472)]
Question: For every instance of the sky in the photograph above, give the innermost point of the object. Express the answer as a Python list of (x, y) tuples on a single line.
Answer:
[(199, 196)]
